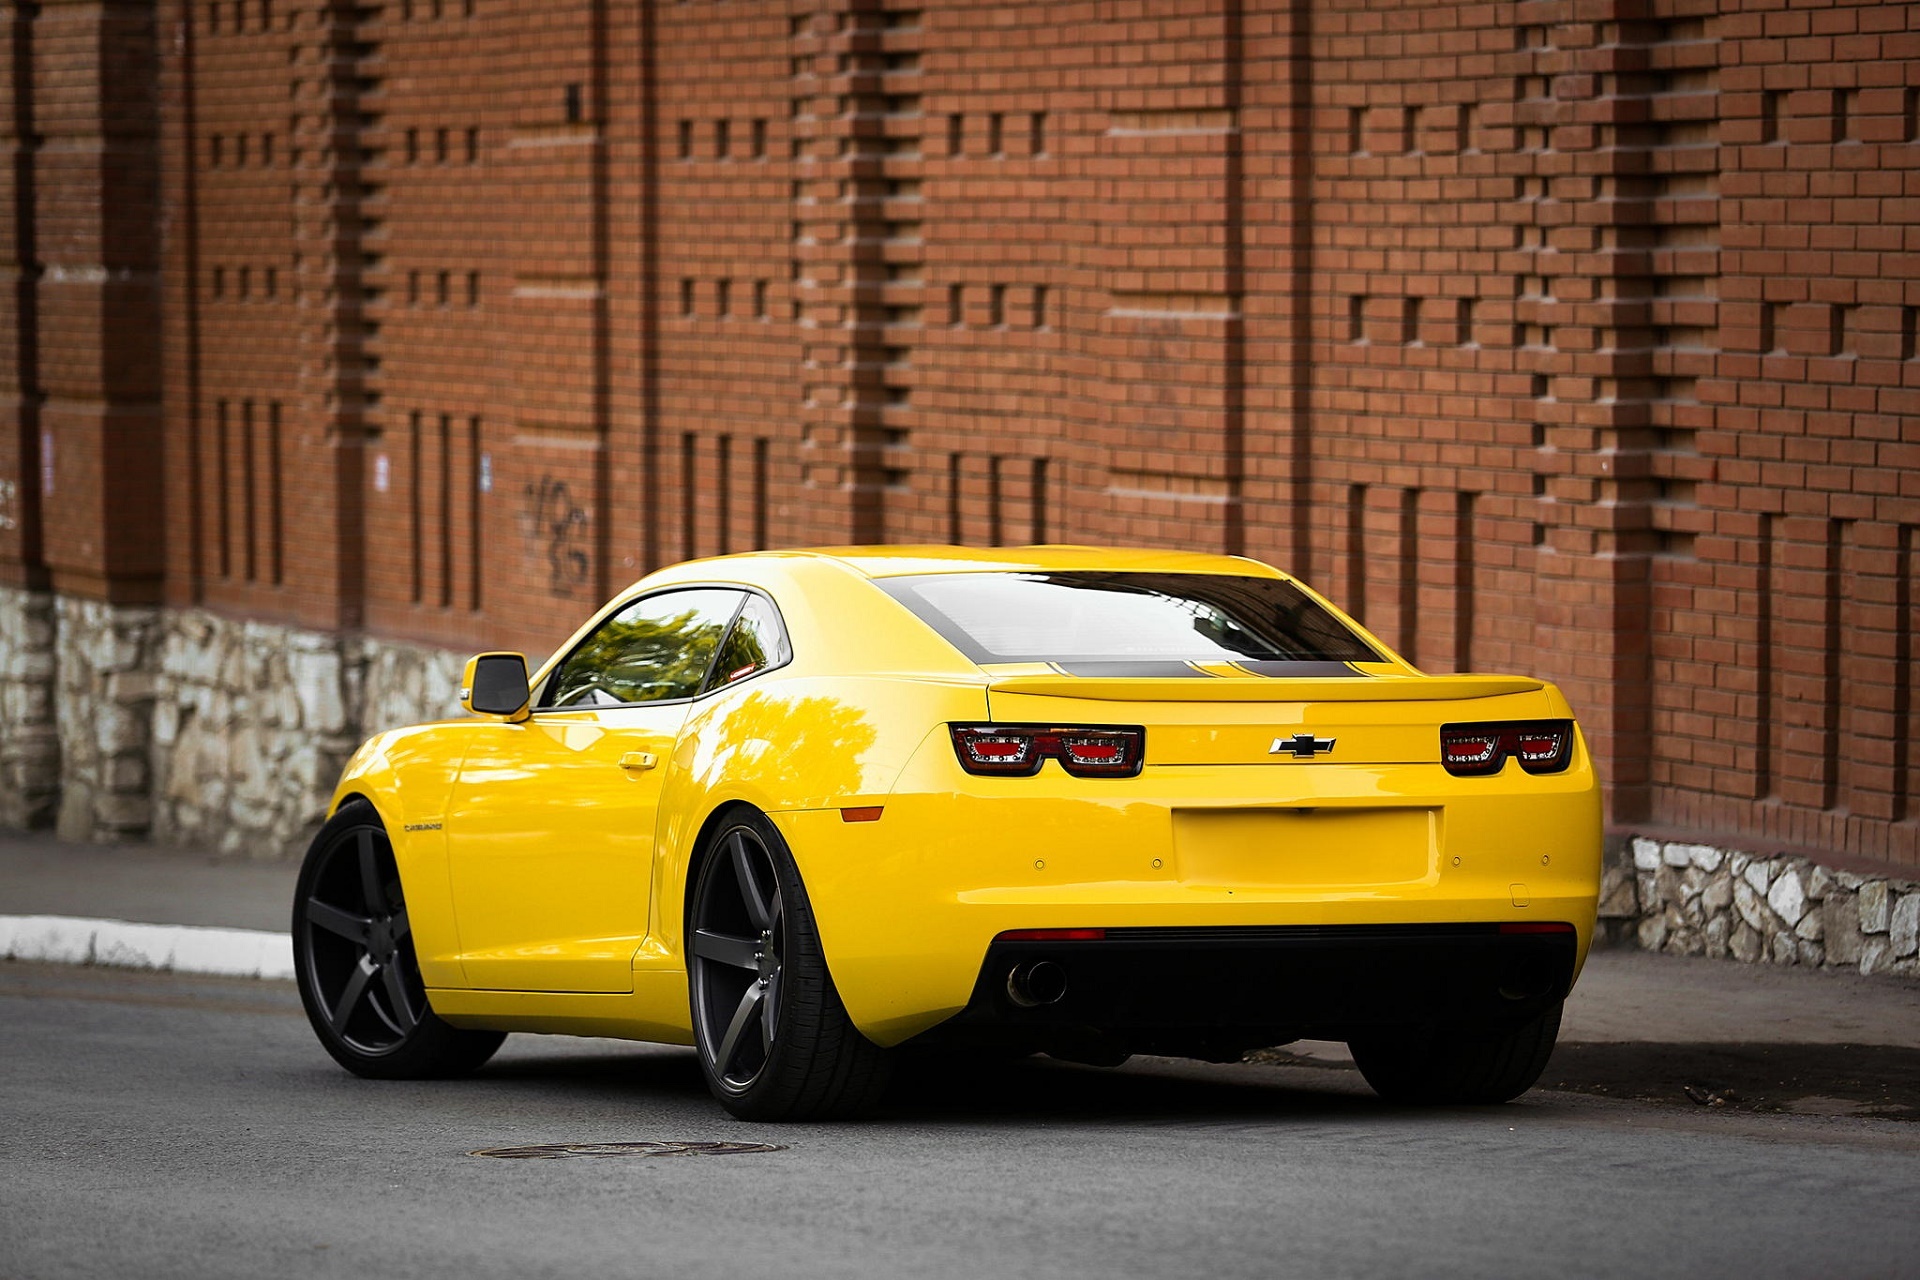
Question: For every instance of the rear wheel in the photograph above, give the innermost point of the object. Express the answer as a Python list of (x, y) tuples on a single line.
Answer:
[(353, 958), (1431, 1065), (775, 1042)]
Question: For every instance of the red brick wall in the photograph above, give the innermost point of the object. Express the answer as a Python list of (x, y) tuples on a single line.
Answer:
[(1577, 340)]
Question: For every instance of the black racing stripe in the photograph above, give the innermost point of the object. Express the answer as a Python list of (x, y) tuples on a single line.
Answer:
[(1149, 670), (1312, 670)]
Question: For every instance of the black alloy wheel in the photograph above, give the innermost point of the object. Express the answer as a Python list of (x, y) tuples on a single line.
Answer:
[(739, 940), (354, 960), (775, 1042)]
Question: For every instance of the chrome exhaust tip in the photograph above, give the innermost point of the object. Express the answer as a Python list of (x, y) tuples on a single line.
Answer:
[(1036, 982)]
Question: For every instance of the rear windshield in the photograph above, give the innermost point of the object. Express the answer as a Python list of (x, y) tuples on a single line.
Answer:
[(1110, 620)]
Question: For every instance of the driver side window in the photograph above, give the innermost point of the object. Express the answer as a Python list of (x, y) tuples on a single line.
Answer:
[(657, 648)]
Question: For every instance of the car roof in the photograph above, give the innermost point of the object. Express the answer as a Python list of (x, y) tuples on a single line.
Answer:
[(898, 561)]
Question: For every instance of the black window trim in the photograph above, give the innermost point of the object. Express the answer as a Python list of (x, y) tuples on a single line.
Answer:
[(707, 688)]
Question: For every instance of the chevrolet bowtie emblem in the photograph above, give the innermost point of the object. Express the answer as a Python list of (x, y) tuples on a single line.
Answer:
[(1300, 746)]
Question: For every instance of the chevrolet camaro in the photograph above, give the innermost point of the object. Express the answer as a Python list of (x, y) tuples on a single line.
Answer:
[(809, 810)]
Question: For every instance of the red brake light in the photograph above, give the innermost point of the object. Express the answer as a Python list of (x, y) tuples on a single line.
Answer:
[(1051, 935), (1018, 750), (1541, 746)]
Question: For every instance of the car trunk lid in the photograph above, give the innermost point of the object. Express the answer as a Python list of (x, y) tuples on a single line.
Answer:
[(1272, 721)]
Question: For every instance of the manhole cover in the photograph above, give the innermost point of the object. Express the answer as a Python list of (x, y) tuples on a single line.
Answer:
[(572, 1150)]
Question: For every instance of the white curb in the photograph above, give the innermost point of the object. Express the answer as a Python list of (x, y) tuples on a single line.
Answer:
[(182, 948)]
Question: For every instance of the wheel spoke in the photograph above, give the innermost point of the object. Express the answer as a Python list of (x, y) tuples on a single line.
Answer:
[(730, 1043), (334, 920), (403, 1013), (376, 894), (400, 926), (741, 953), (770, 1012), (749, 883), (773, 908), (355, 990)]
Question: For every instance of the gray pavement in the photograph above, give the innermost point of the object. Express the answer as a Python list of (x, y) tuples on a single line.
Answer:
[(1699, 1117), (159, 1125), (149, 884)]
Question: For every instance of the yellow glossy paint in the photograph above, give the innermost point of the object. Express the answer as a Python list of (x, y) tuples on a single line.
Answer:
[(552, 896)]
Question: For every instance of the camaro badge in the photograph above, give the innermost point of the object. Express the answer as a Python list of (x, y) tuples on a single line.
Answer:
[(1300, 746)]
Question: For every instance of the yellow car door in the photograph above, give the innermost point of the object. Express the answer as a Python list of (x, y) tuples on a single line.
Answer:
[(550, 833)]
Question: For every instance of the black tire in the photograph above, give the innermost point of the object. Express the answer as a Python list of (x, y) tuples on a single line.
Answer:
[(775, 1042), (353, 959), (1437, 1065)]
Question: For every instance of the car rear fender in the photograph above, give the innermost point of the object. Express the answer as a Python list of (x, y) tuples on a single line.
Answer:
[(818, 745)]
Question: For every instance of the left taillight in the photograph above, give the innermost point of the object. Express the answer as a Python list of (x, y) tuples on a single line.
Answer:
[(1541, 746), (1018, 750)]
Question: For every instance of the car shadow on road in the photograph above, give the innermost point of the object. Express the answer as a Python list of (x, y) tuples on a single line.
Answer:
[(656, 1070), (968, 1089), (1882, 1081), (1146, 1089), (1879, 1081)]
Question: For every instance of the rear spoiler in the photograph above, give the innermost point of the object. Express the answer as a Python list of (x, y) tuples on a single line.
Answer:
[(1266, 688)]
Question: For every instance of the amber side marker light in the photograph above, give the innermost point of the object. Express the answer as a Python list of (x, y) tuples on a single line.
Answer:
[(1536, 926), (1051, 935), (869, 814)]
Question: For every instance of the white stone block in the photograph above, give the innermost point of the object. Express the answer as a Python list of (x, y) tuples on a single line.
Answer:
[(1705, 856), (1903, 925), (1757, 875), (1819, 882), (1875, 957), (316, 683), (1785, 950), (1873, 906), (166, 722), (1646, 854), (1718, 895), (1788, 897), (1748, 904), (1676, 855)]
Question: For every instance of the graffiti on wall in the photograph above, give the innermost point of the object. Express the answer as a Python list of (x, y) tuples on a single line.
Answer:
[(556, 527)]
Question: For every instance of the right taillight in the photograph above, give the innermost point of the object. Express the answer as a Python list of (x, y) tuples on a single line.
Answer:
[(1541, 746)]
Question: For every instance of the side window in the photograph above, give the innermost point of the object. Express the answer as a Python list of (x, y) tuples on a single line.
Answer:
[(757, 643), (656, 648)]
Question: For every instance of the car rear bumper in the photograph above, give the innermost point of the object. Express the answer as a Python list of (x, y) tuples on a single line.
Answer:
[(908, 905), (1215, 992)]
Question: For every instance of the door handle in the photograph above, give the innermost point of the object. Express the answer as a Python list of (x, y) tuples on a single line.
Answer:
[(639, 760)]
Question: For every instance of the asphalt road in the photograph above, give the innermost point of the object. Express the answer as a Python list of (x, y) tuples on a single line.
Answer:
[(153, 1125)]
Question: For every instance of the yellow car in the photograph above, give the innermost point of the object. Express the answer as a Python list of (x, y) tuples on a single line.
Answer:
[(804, 809)]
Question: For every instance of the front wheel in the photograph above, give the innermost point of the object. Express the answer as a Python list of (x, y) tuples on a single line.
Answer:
[(1437, 1065), (775, 1042), (353, 958)]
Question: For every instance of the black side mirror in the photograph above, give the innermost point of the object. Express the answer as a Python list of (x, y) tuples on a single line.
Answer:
[(495, 684)]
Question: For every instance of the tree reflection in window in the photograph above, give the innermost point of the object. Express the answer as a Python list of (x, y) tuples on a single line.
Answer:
[(656, 648), (756, 643)]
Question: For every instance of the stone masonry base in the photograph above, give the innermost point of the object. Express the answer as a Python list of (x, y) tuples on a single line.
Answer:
[(186, 727), (1703, 900)]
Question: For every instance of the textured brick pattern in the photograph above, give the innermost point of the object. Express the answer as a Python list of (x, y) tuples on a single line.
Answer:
[(1570, 339)]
